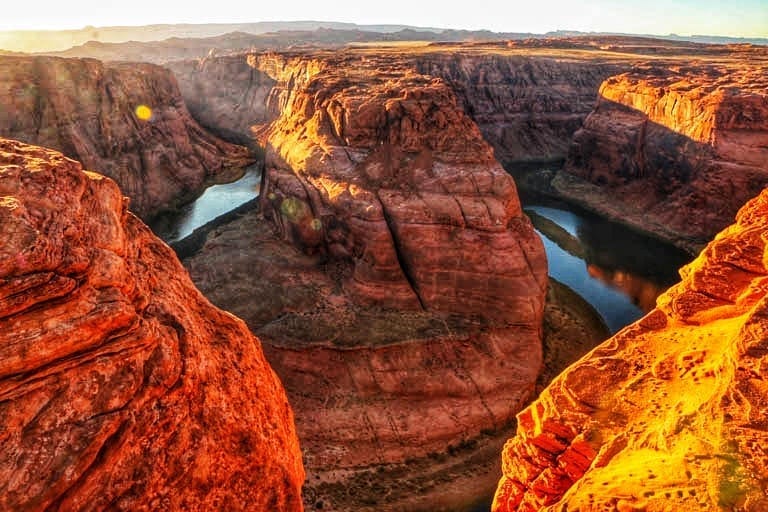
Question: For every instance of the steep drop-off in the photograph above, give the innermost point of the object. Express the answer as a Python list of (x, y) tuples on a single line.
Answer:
[(121, 386), (87, 110), (674, 150), (670, 414), (396, 284), (527, 107)]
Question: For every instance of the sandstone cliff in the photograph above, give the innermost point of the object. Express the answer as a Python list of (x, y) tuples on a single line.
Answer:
[(674, 150), (121, 387), (87, 110), (527, 107), (396, 284), (669, 414), (230, 95)]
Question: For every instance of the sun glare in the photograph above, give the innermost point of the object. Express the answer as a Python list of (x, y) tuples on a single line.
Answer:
[(144, 113)]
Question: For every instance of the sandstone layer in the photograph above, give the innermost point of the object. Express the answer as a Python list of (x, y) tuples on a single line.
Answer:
[(396, 284), (527, 107), (87, 110), (121, 386), (669, 414), (675, 150)]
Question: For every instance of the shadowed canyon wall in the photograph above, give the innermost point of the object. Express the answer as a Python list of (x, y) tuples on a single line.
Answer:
[(527, 108), (669, 414), (121, 386), (87, 110)]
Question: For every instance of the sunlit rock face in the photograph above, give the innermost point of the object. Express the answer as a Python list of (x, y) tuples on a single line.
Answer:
[(88, 111), (669, 414), (674, 150), (396, 284), (121, 386), (384, 170)]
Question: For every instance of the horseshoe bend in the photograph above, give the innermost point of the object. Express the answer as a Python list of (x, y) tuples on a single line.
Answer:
[(387, 329)]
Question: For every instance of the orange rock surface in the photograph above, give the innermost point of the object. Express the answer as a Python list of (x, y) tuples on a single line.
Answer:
[(394, 278), (669, 414), (87, 110), (121, 386), (677, 149)]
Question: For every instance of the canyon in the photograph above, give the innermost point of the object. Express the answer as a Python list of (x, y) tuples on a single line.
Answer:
[(390, 271), (670, 413), (364, 149), (394, 282), (635, 130), (121, 386), (674, 150), (87, 110)]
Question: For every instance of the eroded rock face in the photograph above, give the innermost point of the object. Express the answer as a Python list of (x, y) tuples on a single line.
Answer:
[(394, 177), (674, 150), (669, 414), (87, 110), (235, 95), (121, 386), (391, 272), (527, 108)]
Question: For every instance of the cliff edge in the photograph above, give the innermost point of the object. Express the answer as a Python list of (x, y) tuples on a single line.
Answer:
[(669, 414)]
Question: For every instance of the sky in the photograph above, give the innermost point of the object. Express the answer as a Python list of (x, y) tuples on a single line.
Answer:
[(747, 18)]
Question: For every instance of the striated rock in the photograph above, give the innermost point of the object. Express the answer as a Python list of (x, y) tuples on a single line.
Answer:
[(394, 177), (87, 110), (669, 414), (235, 95), (676, 150), (121, 387), (527, 107), (404, 313)]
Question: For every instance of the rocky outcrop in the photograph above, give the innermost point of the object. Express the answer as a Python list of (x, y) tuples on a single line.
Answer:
[(393, 177), (527, 107), (404, 312), (158, 156), (121, 386), (670, 413), (674, 151)]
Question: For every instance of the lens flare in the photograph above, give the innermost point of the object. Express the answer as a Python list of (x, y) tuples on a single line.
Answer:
[(143, 112)]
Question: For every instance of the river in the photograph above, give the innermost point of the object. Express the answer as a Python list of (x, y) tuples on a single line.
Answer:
[(618, 271), (216, 201)]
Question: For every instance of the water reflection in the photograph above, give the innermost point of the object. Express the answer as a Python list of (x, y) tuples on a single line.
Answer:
[(214, 202), (618, 271)]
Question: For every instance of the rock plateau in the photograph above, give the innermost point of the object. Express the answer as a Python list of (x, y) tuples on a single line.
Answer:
[(121, 386)]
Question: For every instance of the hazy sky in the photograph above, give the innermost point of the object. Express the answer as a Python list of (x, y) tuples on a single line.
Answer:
[(714, 17)]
